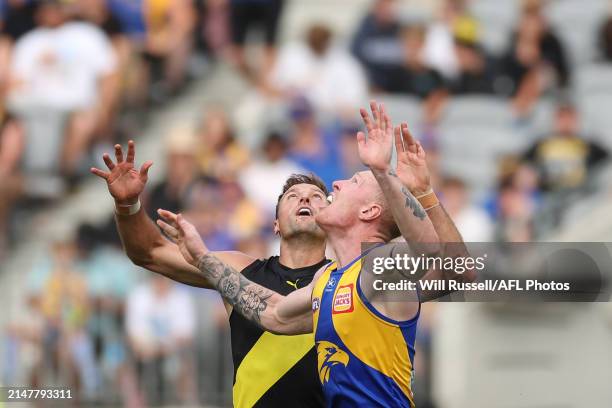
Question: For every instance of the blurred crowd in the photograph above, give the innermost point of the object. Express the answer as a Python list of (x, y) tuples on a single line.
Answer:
[(77, 76)]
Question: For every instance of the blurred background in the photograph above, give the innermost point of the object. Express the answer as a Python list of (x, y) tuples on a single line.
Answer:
[(511, 99)]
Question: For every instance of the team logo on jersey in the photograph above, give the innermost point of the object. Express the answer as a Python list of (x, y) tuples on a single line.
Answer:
[(330, 284), (329, 356), (316, 304), (343, 301)]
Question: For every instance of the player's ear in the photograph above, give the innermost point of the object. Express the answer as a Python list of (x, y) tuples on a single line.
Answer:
[(276, 228), (370, 212)]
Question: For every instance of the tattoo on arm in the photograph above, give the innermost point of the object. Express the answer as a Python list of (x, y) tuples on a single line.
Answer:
[(248, 298), (414, 205)]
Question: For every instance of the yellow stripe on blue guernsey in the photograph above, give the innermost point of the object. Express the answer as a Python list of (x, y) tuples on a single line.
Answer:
[(364, 358)]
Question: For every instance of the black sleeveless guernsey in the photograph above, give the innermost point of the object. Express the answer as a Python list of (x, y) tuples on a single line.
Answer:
[(272, 370)]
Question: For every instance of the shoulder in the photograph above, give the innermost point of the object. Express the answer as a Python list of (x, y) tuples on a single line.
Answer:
[(328, 265)]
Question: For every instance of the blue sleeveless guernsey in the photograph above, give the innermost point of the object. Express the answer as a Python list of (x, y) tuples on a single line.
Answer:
[(364, 358)]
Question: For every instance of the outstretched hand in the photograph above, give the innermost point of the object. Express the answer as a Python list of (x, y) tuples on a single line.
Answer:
[(184, 234), (412, 167), (375, 150), (125, 183)]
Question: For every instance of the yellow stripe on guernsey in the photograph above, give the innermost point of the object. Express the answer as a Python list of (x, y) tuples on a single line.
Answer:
[(267, 361), (378, 343)]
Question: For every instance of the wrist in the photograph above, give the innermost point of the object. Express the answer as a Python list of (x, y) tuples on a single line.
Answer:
[(381, 171), (428, 199), (127, 201), (127, 209)]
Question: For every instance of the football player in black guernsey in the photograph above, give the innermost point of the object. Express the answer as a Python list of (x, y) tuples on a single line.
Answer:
[(268, 369)]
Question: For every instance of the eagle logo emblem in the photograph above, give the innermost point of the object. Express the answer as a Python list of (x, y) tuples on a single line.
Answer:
[(329, 356)]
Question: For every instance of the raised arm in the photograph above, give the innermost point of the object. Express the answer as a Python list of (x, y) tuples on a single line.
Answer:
[(142, 240), (375, 152), (273, 312), (413, 172)]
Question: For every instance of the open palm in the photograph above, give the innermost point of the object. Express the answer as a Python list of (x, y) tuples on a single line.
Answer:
[(375, 150), (412, 167), (124, 182), (183, 234)]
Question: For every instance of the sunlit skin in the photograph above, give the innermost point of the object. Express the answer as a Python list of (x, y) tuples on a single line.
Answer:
[(298, 210), (350, 199)]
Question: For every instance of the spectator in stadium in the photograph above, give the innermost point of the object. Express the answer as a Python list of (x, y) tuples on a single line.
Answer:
[(317, 69), (181, 171), (214, 36), (98, 13), (604, 40), (169, 41), (220, 155), (65, 70), (110, 277), (565, 158), (246, 15), (273, 166), (514, 172), (453, 23), (60, 294), (476, 71), (244, 218), (536, 60), (160, 323), (415, 77), (349, 155), (516, 215), (472, 222), (314, 148), (211, 220), (16, 19), (161, 33), (376, 43)]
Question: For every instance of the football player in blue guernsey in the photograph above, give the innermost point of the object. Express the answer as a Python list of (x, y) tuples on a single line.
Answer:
[(364, 337)]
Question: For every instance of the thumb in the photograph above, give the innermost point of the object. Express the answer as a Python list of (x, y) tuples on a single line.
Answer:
[(144, 170)]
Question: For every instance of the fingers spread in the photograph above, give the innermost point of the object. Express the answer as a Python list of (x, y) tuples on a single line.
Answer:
[(107, 160), (100, 173), (118, 153), (131, 152)]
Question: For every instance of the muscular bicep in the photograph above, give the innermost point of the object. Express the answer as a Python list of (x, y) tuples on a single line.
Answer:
[(294, 313)]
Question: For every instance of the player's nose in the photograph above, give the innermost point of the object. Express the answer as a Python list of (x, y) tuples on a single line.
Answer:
[(336, 185)]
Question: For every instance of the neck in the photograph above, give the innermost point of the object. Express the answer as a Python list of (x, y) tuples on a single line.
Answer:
[(300, 252), (346, 243)]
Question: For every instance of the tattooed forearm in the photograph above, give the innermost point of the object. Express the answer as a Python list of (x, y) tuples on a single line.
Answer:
[(246, 297), (414, 205)]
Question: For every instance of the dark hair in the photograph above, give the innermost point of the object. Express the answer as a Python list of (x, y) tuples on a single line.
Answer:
[(296, 179)]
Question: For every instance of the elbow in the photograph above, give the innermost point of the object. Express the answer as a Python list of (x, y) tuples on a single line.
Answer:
[(143, 256)]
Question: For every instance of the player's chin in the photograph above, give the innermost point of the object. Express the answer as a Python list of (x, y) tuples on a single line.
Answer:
[(306, 224)]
